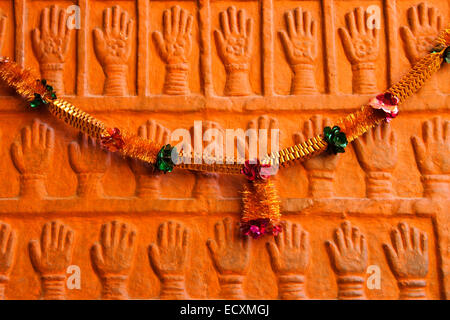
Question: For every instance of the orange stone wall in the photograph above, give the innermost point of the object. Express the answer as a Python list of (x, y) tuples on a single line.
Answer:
[(156, 66)]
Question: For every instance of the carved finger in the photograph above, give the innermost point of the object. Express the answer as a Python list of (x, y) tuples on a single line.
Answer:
[(296, 235), (160, 44), (172, 233), (360, 25), (46, 236), (298, 13), (347, 44), (274, 254), (62, 27), (307, 18), (298, 138), (232, 14), (415, 241), (189, 23), (224, 22), (339, 239), (347, 228), (432, 17), (105, 235), (45, 20), (35, 254), (423, 18), (397, 240), (290, 25), (286, 42), (162, 235), (167, 24), (438, 132), (413, 19), (351, 23), (404, 231), (427, 131), (183, 22), (333, 251), (124, 22), (175, 20), (116, 20), (220, 234), (107, 21), (356, 238), (54, 10), (424, 244), (17, 156)]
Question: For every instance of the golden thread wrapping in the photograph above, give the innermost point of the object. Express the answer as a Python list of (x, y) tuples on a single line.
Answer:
[(260, 200), (77, 118), (139, 148), (22, 80)]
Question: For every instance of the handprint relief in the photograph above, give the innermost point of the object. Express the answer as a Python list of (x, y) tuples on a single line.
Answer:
[(112, 258), (90, 164), (51, 42), (424, 24), (206, 183), (408, 260), (50, 258), (376, 151), (148, 180), (113, 45), (361, 46), (230, 253), (235, 47), (289, 257), (299, 42), (7, 250), (431, 152), (174, 46), (168, 258), (320, 169), (348, 256), (32, 156)]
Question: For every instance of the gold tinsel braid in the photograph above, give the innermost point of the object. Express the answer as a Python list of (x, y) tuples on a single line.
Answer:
[(139, 148), (22, 80), (77, 118), (422, 70), (260, 200)]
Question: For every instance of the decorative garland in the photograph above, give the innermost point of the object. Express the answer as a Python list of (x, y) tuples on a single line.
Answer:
[(261, 205)]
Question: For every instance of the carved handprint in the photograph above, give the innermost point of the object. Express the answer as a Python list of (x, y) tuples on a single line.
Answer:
[(424, 25), (112, 258), (7, 248), (300, 47), (168, 259), (408, 259), (376, 151), (431, 153), (289, 256), (51, 256), (90, 163), (206, 183), (174, 46), (147, 178), (320, 169), (32, 156), (235, 47), (348, 256), (51, 43), (113, 46), (361, 46), (230, 253)]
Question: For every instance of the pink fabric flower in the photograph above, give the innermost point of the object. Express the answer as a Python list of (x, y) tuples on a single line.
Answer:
[(255, 171), (259, 227), (386, 102)]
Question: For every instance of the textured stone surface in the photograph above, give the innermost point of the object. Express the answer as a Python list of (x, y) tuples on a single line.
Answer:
[(293, 65)]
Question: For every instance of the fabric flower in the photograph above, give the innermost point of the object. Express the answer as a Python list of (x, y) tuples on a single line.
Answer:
[(386, 102), (114, 140), (255, 171), (337, 140), (164, 161), (259, 227)]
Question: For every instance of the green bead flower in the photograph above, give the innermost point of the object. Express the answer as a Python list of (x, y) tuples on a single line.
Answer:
[(337, 141), (164, 161), (38, 99)]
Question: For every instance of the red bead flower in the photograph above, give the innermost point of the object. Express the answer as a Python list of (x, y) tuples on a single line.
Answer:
[(255, 171), (386, 102), (259, 227), (114, 141)]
